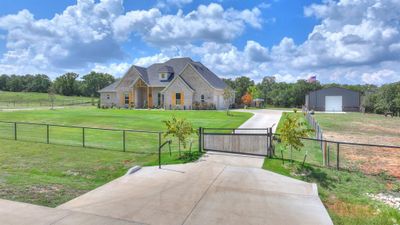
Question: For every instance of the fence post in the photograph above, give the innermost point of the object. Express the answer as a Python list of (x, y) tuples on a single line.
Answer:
[(337, 156), (199, 139), (269, 150), (123, 140), (159, 150), (48, 135), (83, 137), (15, 131), (329, 156), (323, 145)]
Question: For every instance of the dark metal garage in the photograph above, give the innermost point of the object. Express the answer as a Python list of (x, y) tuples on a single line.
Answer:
[(333, 99)]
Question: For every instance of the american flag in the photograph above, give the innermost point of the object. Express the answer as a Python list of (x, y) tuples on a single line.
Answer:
[(312, 79)]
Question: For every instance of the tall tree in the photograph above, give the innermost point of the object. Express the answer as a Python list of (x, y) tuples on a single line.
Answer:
[(93, 82), (3, 82), (241, 85), (67, 84)]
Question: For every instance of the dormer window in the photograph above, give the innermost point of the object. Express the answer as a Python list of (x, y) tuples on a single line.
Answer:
[(165, 72), (163, 76)]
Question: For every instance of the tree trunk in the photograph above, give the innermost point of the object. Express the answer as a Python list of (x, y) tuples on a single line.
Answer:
[(291, 154), (179, 147)]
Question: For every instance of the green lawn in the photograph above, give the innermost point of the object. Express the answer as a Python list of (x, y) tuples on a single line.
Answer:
[(343, 193), (313, 148), (149, 120), (34, 99), (49, 174)]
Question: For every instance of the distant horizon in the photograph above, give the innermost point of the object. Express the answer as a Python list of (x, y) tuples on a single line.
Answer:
[(345, 41)]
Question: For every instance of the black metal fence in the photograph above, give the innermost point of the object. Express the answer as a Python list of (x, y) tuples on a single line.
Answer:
[(363, 157), (15, 104), (125, 140), (314, 124)]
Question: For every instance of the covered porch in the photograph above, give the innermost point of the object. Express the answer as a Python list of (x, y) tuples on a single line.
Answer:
[(142, 96)]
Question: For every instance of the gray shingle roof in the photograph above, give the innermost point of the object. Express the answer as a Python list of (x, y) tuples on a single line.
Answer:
[(166, 69), (111, 87), (213, 79), (176, 65)]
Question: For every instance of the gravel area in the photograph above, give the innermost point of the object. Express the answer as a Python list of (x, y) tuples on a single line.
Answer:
[(389, 199)]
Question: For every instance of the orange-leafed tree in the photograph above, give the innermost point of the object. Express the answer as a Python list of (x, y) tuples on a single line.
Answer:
[(247, 99)]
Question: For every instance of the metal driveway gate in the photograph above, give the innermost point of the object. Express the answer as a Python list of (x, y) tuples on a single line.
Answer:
[(240, 140)]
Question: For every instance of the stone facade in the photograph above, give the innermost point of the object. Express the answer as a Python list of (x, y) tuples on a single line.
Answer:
[(141, 89)]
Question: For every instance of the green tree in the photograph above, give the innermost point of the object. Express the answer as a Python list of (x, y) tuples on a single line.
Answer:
[(254, 91), (15, 83), (229, 96), (3, 82), (180, 129), (94, 81), (52, 95), (265, 87), (240, 85), (291, 133), (38, 83), (67, 84)]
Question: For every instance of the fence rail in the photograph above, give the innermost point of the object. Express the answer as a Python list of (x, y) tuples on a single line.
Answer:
[(353, 156), (315, 125), (42, 103), (125, 140)]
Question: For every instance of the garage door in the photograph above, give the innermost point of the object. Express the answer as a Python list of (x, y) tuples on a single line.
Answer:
[(333, 103)]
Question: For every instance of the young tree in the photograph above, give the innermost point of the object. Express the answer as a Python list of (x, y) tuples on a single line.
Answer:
[(229, 96), (52, 96), (291, 133), (180, 129), (247, 99)]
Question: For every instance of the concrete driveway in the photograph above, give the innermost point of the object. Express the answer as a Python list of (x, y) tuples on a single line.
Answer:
[(218, 189), (262, 118)]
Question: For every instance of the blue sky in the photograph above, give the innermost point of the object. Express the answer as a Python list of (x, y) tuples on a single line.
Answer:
[(344, 41)]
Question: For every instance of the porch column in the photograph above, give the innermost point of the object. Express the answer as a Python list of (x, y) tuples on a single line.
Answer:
[(137, 95)]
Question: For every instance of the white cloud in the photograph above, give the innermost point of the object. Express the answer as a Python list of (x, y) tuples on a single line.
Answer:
[(380, 77), (115, 69), (207, 23), (78, 36), (148, 60), (351, 33), (91, 33), (139, 21), (256, 52), (356, 40), (168, 3)]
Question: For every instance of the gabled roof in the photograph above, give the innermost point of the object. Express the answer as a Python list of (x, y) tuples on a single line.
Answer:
[(174, 66), (209, 76), (111, 87)]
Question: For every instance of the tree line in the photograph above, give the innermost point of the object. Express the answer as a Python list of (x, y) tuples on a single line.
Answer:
[(68, 84), (281, 94)]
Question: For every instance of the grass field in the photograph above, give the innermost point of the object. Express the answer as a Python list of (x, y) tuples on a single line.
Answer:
[(149, 120), (365, 128), (343, 193), (33, 99), (49, 174), (312, 148)]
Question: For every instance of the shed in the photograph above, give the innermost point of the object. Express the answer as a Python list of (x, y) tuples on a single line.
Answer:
[(333, 99)]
